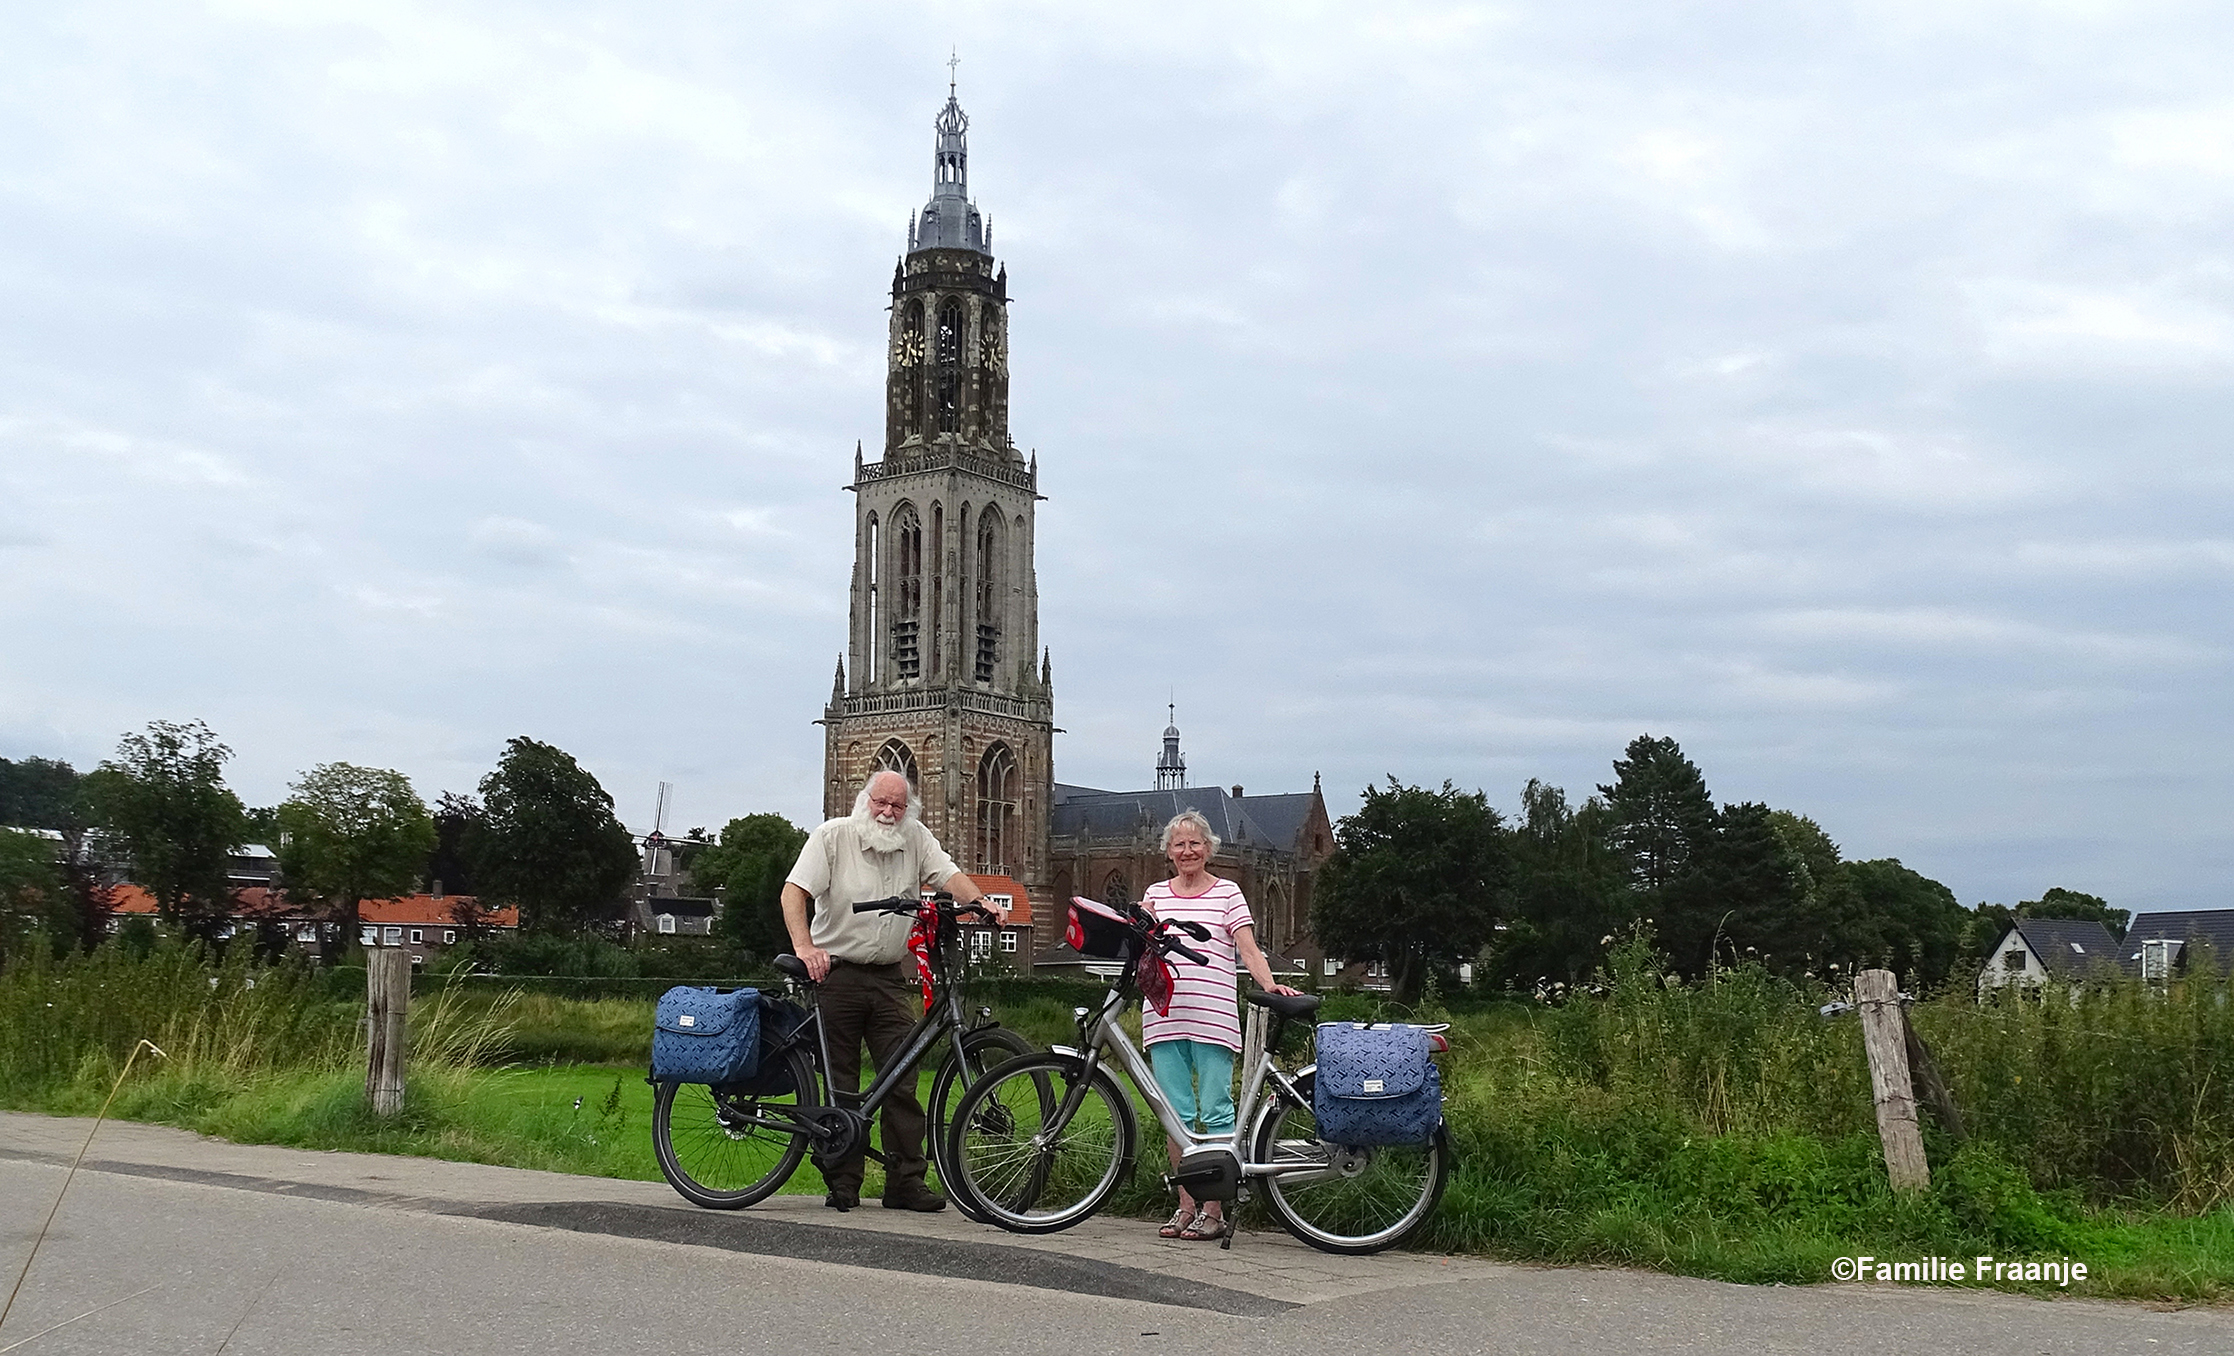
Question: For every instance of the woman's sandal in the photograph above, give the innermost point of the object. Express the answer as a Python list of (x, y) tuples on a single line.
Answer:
[(1207, 1228), (1177, 1225)]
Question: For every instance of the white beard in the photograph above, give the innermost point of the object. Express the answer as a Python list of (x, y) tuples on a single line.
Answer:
[(881, 837)]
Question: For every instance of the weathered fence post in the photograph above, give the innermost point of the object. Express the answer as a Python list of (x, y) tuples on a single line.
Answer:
[(1885, 1040), (387, 1002), (1931, 1086)]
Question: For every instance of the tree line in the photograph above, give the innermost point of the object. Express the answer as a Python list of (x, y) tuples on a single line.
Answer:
[(537, 833), (1425, 879)]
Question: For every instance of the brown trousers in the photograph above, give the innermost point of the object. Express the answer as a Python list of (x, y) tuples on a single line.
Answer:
[(878, 1004)]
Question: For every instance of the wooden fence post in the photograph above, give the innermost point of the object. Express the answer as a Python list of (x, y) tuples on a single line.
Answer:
[(387, 1002), (1931, 1085), (1885, 1040)]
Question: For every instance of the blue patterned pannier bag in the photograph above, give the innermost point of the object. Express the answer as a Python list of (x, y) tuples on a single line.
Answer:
[(700, 1036), (1376, 1085)]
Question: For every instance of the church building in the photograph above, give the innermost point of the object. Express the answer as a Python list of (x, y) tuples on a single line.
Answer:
[(943, 678)]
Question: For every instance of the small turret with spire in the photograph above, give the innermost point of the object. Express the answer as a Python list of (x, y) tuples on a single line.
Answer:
[(1171, 768)]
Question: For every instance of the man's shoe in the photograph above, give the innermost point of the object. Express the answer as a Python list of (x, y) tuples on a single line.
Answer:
[(844, 1200), (917, 1197)]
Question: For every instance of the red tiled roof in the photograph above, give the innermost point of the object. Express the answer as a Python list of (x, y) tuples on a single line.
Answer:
[(257, 902), (1020, 902)]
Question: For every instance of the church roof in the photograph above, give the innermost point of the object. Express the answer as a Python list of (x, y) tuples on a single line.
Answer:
[(1282, 817), (1084, 812)]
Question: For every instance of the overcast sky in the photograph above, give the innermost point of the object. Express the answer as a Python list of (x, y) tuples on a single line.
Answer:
[(1437, 391)]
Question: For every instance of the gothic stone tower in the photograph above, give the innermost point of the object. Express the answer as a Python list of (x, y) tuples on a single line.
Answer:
[(944, 679)]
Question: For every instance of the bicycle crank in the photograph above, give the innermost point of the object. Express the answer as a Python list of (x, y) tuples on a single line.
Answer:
[(838, 1131)]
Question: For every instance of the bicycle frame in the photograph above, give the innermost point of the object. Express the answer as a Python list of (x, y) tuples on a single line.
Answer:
[(946, 1014), (1103, 1034)]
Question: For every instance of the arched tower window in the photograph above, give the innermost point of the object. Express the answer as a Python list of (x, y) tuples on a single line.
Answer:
[(938, 586), (1115, 890), (996, 810), (875, 639), (990, 576), (896, 757), (949, 397), (907, 600)]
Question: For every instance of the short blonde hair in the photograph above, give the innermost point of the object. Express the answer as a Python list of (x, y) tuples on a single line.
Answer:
[(1192, 819)]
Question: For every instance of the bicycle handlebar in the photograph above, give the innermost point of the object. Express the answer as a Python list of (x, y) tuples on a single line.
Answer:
[(1171, 944), (904, 904)]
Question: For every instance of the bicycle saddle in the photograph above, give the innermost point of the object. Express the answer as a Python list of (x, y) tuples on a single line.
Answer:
[(792, 966), (1287, 1005)]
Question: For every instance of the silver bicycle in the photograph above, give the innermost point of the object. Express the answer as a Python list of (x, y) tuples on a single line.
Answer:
[(1045, 1139)]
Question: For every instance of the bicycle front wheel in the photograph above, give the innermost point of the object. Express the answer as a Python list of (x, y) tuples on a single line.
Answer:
[(1338, 1199), (726, 1149), (965, 1065), (1039, 1144)]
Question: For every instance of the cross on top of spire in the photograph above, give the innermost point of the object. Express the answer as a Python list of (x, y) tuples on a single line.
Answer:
[(953, 65)]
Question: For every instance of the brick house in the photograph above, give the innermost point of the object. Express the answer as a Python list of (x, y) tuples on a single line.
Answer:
[(424, 924)]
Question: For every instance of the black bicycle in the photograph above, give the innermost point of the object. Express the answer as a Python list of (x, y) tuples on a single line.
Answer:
[(728, 1147)]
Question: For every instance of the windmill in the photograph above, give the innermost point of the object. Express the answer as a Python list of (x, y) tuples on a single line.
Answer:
[(658, 857)]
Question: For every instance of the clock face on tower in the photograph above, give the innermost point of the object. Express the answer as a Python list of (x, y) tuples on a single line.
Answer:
[(907, 350)]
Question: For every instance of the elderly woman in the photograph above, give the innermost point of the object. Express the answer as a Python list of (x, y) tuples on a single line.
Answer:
[(1192, 1047)]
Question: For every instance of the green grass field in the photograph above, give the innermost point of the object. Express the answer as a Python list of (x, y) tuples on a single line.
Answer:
[(1720, 1130)]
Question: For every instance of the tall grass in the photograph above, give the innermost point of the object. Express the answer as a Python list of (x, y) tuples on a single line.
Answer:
[(1719, 1128)]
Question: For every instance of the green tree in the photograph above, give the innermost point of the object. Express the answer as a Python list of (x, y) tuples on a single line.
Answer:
[(349, 834), (1744, 896), (459, 822), (1891, 916), (1808, 846), (1569, 890), (550, 843), (38, 793), (31, 895), (2061, 903), (163, 803), (1415, 881), (748, 865), (44, 793), (1663, 816)]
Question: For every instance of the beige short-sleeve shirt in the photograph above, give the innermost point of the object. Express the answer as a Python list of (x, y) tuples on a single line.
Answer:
[(840, 871)]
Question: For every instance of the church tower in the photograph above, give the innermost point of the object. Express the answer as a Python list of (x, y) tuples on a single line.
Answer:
[(943, 678)]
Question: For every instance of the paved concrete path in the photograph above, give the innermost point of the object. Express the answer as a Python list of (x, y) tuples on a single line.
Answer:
[(1264, 1272), (341, 1253)]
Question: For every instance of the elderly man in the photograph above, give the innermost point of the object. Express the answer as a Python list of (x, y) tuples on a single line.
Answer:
[(878, 851)]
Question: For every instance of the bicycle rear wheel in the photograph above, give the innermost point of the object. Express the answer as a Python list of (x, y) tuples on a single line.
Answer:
[(725, 1149), (1039, 1145), (966, 1063), (1345, 1200)]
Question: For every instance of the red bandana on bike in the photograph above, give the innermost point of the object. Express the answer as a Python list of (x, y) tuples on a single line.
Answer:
[(1153, 976), (920, 942)]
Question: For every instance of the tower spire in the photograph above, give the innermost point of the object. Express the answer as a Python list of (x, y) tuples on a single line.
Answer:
[(950, 220), (1171, 769)]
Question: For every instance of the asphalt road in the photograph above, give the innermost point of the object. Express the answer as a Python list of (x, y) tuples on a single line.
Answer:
[(251, 1269)]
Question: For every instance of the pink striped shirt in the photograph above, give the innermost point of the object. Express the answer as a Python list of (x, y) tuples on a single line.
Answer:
[(1205, 999)]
